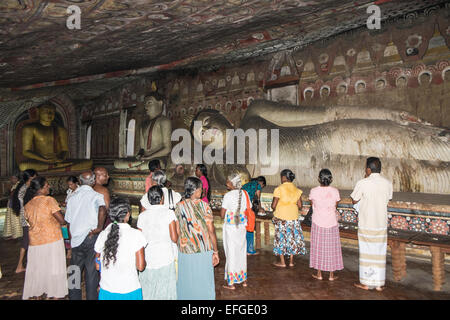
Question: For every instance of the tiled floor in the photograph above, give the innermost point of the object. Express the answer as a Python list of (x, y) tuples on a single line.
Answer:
[(269, 282)]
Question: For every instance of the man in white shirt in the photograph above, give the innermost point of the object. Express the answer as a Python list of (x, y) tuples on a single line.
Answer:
[(85, 215), (372, 194)]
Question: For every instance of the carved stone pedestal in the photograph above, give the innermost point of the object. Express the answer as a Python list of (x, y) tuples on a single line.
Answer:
[(398, 254), (266, 221), (437, 258)]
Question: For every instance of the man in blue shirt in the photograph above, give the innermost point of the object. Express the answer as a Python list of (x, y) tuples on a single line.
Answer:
[(85, 215)]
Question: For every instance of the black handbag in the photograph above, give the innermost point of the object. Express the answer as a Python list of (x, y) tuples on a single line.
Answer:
[(171, 204), (307, 220)]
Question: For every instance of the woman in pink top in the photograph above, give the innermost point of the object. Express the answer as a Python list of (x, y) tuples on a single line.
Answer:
[(325, 253), (202, 173)]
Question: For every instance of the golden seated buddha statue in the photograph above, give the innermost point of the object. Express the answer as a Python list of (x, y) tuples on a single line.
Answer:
[(45, 145)]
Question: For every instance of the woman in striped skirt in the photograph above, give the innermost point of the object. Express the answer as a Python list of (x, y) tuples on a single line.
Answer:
[(325, 252)]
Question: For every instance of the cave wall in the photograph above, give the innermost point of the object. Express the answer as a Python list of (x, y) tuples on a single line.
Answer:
[(403, 66)]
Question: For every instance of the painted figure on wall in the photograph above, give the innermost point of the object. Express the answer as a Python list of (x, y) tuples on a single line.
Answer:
[(154, 137), (45, 145), (416, 154)]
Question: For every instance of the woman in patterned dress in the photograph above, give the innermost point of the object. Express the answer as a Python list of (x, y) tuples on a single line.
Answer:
[(288, 233), (233, 209), (197, 245)]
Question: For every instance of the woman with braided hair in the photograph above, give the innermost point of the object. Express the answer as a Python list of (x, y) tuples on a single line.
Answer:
[(119, 252), (233, 209)]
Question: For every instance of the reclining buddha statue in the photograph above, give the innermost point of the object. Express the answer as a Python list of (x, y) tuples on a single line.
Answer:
[(415, 154), (45, 145)]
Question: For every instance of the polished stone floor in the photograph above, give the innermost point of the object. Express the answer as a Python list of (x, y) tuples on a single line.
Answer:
[(267, 282)]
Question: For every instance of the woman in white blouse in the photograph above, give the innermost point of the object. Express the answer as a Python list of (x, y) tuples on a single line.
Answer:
[(119, 252), (158, 223)]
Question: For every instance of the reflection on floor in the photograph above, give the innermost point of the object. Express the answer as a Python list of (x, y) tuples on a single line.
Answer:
[(267, 282)]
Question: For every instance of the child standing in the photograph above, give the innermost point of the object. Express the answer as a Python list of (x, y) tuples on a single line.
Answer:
[(326, 253)]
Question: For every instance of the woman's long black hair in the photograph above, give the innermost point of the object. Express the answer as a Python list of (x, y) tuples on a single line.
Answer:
[(204, 171), (325, 177), (155, 195), (15, 203), (36, 184), (118, 209)]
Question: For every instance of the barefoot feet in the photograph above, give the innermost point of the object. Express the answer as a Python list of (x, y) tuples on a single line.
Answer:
[(317, 277), (279, 264)]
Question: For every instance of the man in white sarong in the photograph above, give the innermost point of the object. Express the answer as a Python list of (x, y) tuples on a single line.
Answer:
[(373, 194)]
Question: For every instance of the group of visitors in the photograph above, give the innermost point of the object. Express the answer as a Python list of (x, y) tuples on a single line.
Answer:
[(371, 195), (173, 251)]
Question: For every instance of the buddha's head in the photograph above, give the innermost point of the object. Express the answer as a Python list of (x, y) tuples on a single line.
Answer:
[(46, 114), (153, 106), (212, 128), (425, 79)]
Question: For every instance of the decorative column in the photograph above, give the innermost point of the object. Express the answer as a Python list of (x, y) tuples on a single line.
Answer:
[(437, 258)]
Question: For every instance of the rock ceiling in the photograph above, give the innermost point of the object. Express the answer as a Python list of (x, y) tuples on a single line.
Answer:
[(146, 35)]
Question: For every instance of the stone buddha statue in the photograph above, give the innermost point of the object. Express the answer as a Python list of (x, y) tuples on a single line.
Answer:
[(45, 145), (416, 154), (154, 137)]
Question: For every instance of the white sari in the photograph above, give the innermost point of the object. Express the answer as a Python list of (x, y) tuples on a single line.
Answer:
[(234, 239)]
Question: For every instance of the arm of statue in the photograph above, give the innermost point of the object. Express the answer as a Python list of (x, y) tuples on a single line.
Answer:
[(165, 127), (27, 145), (63, 152)]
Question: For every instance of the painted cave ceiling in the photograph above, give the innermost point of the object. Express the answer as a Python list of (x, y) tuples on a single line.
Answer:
[(144, 36)]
